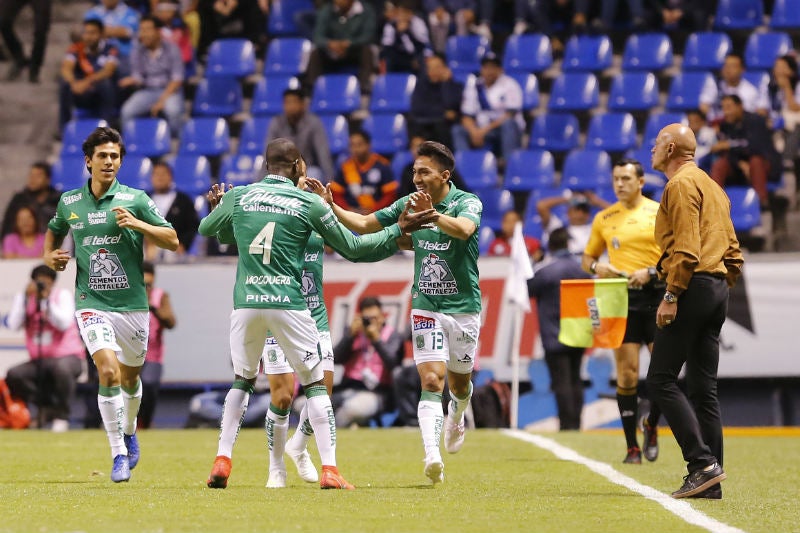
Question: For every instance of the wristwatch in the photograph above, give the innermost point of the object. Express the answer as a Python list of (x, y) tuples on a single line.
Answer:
[(670, 298), (592, 267)]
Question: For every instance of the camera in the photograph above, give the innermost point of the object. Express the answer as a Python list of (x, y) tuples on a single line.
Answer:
[(39, 287), (366, 321)]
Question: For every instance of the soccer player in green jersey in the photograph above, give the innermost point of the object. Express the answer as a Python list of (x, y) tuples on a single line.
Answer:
[(446, 297), (109, 222), (271, 222)]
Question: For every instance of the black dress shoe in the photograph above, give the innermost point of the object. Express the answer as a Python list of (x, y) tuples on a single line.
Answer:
[(33, 75), (700, 480), (712, 493)]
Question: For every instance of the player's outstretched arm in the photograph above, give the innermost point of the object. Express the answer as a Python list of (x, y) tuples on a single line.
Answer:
[(353, 221)]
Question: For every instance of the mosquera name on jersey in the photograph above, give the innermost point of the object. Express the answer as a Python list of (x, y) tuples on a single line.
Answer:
[(271, 222), (445, 268), (109, 258)]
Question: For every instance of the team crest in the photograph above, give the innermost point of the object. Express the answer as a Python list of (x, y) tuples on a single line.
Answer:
[(106, 272), (435, 277), (308, 284), (420, 341)]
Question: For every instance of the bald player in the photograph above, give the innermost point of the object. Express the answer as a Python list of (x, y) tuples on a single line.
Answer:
[(700, 261)]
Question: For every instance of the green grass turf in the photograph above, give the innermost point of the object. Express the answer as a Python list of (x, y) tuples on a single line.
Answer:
[(59, 482)]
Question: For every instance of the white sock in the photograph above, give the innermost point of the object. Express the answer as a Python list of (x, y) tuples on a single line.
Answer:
[(320, 414), (232, 415), (431, 417), (111, 411), (132, 401), (277, 427), (299, 440), (459, 405)]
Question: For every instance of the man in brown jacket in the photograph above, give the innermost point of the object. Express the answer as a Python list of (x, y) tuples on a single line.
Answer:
[(700, 261)]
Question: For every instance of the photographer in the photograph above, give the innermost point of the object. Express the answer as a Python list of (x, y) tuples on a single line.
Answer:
[(55, 348), (369, 351)]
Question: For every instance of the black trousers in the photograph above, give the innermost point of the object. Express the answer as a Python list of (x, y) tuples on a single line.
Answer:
[(565, 382), (9, 9), (693, 338), (47, 382), (151, 385)]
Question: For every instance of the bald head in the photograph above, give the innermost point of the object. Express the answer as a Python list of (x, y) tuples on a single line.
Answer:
[(283, 158), (675, 145), (683, 137)]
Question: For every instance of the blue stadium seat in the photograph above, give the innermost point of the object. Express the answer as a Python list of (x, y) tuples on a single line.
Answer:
[(338, 132), (763, 48), (586, 170), (633, 91), (148, 137), (785, 15), (253, 137), (75, 132), (685, 89), (389, 133), (574, 91), (241, 169), (706, 51), (486, 236), (400, 161), (478, 168), (587, 53), (230, 58), (527, 53), (745, 210), (391, 93), (191, 174), (217, 97), (556, 132), (206, 136), (268, 95), (530, 89), (612, 132), (136, 171), (759, 78), (531, 215), (336, 94), (532, 225), (464, 52), (69, 172), (281, 21), (738, 15), (495, 202), (656, 122), (287, 55), (529, 169), (647, 51)]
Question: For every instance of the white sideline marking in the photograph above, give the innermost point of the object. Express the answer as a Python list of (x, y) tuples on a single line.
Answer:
[(680, 508)]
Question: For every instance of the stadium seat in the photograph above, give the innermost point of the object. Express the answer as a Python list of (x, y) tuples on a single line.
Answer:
[(206, 136), (530, 89), (338, 132), (486, 236), (656, 122), (287, 55), (391, 93), (685, 89), (217, 97), (745, 210), (191, 174), (706, 51), (268, 95), (556, 132), (587, 53), (75, 132), (763, 48), (496, 202), (148, 137), (586, 170), (400, 161), (241, 169), (759, 78), (231, 58), (464, 53), (69, 172), (574, 91), (607, 194), (738, 15), (532, 226), (531, 212), (647, 51), (136, 171), (785, 15), (478, 168), (633, 91), (253, 137), (612, 132), (282, 13), (529, 169), (336, 94), (389, 133), (527, 53)]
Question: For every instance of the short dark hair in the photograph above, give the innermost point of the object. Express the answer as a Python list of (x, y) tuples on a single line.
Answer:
[(439, 55), (43, 270), (294, 92), (156, 22), (95, 22), (630, 161), (44, 167), (737, 56), (369, 301), (148, 268), (282, 156), (698, 112), (558, 240), (733, 98), (364, 135), (100, 136), (165, 165), (440, 153)]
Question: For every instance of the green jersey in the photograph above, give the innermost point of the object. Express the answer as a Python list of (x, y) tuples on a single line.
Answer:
[(312, 280), (271, 222), (109, 258), (445, 268)]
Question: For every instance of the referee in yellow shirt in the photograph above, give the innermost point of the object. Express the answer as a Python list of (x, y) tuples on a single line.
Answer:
[(626, 231)]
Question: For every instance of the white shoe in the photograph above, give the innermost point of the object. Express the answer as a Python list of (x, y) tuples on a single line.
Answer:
[(520, 27), (60, 425), (277, 479), (434, 469), (453, 434), (305, 467)]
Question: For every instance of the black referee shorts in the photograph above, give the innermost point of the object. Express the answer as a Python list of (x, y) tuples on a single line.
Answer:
[(642, 307)]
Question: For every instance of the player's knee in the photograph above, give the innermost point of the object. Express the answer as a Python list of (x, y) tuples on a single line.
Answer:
[(431, 381), (627, 378), (281, 399), (108, 375)]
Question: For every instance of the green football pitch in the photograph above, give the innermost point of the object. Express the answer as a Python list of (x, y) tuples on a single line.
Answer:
[(498, 483)]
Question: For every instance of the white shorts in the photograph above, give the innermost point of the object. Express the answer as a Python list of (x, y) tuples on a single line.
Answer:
[(275, 361), (452, 339), (125, 333), (295, 333)]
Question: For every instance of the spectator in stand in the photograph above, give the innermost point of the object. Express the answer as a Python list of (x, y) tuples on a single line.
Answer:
[(407, 178), (9, 9), (230, 19), (87, 73), (784, 91), (678, 15), (405, 38), (435, 102), (365, 182), (610, 12), (706, 138), (161, 317), (120, 24), (305, 130), (754, 99), (369, 350), (175, 30), (38, 194), (178, 209), (157, 73), (468, 16), (579, 217), (745, 149), (343, 33), (490, 110), (51, 336), (27, 238), (533, 16), (501, 245)]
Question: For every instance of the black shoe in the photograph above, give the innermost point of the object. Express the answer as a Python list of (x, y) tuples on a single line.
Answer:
[(711, 493), (634, 456), (650, 444), (700, 480), (15, 71), (33, 75)]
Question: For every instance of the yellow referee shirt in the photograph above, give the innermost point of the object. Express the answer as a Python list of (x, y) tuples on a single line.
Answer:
[(627, 234)]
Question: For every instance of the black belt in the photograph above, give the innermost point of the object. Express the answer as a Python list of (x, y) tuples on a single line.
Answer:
[(714, 275)]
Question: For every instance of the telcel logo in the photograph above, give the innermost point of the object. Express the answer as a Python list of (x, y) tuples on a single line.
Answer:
[(101, 240)]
